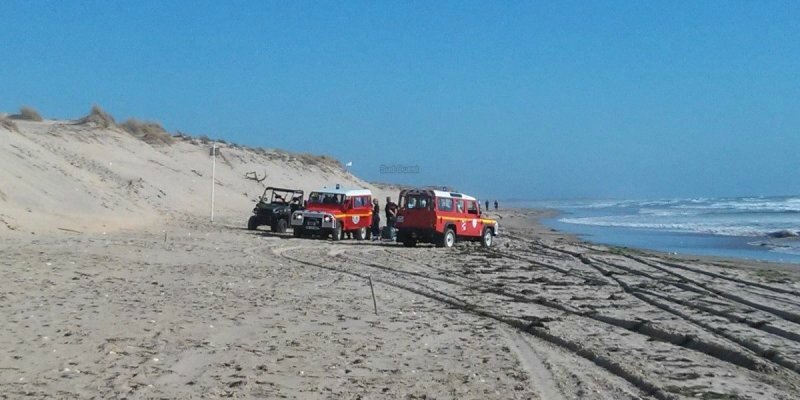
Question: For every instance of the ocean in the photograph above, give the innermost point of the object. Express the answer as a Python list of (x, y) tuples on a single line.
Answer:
[(728, 227)]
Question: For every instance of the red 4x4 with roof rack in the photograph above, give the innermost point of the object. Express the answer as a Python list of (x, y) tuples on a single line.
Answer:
[(442, 218), (335, 212)]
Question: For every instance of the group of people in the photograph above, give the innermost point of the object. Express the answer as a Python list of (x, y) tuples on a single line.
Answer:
[(495, 205)]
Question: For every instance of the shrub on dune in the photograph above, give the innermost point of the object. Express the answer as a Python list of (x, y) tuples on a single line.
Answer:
[(320, 160), (99, 118), (326, 159), (27, 114), (8, 124), (149, 132)]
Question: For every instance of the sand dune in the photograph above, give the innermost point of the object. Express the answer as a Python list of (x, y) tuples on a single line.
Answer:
[(59, 174)]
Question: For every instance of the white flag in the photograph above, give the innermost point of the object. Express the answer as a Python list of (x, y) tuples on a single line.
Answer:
[(349, 164)]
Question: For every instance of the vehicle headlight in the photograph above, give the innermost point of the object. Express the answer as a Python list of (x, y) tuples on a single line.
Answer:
[(326, 218), (298, 216)]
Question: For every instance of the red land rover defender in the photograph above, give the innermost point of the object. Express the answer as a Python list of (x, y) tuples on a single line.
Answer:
[(434, 216), (335, 212)]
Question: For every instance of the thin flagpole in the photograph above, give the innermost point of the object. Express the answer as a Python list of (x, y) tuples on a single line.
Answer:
[(213, 176)]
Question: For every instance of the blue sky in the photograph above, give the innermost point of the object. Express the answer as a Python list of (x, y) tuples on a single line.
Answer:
[(499, 99)]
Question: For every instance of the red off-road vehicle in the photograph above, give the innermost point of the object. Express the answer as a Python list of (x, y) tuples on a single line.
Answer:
[(442, 218), (335, 212)]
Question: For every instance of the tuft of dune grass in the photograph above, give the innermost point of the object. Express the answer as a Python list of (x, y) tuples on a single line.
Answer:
[(149, 132), (8, 123), (319, 160), (27, 114), (99, 118)]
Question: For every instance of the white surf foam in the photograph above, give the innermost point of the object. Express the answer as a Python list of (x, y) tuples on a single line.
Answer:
[(683, 227)]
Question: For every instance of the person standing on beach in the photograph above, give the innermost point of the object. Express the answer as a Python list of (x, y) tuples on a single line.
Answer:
[(495, 205), (391, 212), (376, 220), (487, 206)]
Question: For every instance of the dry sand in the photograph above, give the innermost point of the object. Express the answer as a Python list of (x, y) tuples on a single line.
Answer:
[(219, 311), (213, 310)]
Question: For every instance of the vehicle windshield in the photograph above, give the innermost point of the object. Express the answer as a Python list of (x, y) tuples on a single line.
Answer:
[(282, 196), (418, 201), (325, 198)]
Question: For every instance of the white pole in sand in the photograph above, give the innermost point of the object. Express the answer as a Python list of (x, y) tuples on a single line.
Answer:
[(213, 176)]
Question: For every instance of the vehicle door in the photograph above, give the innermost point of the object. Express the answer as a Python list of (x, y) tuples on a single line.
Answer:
[(359, 213), (474, 224), (415, 210), (463, 224), (446, 214)]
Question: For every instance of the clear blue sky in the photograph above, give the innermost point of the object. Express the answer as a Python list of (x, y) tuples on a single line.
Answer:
[(500, 99)]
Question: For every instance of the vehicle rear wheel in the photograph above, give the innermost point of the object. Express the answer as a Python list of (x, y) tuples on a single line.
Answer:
[(252, 223), (487, 238), (297, 232), (361, 233), (448, 238), (337, 233), (279, 226)]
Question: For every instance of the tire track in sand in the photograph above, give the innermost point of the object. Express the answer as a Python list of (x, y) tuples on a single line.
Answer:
[(519, 324), (543, 381)]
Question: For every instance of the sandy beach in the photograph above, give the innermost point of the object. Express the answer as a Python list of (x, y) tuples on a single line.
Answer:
[(115, 284), (218, 311)]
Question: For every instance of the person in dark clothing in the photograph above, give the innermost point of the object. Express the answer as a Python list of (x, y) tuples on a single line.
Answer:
[(391, 216), (495, 205), (376, 220), (487, 206), (391, 212)]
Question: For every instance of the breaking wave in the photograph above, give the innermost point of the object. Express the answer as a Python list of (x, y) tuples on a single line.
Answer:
[(746, 216), (688, 227)]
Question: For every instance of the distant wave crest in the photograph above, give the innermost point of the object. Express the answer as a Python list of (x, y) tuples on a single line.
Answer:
[(685, 227)]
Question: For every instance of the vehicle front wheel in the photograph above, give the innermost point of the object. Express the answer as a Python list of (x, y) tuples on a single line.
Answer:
[(280, 226), (252, 223), (361, 233), (448, 238), (337, 233), (487, 238)]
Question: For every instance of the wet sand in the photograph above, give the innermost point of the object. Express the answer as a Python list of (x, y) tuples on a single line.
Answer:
[(217, 311)]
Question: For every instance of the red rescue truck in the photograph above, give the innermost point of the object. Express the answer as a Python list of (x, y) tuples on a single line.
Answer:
[(442, 218), (335, 213)]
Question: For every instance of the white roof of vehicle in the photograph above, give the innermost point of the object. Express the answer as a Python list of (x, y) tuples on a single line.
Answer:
[(346, 192), (439, 193)]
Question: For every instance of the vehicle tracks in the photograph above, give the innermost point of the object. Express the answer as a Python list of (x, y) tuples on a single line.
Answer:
[(519, 323), (721, 352), (463, 290)]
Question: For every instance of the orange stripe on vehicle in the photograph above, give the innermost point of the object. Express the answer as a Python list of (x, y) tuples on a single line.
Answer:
[(350, 215), (485, 221)]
